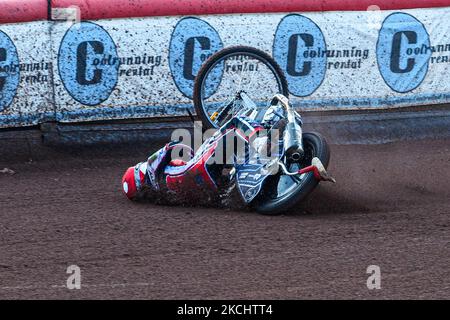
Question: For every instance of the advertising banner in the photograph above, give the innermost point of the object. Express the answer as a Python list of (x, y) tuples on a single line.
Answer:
[(145, 67), (26, 73), (333, 60)]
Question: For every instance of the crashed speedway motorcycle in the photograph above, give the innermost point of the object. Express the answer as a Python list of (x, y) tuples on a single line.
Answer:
[(256, 147)]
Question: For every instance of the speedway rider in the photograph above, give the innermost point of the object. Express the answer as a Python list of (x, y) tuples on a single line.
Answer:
[(148, 179)]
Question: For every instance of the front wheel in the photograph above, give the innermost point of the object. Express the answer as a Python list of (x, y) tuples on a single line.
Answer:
[(232, 70), (281, 193)]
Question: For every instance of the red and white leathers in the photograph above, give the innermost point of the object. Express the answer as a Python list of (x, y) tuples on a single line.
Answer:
[(161, 174)]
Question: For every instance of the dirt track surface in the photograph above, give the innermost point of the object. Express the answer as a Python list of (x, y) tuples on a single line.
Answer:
[(391, 208)]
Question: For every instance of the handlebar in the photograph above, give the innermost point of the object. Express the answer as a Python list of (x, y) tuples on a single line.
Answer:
[(293, 142)]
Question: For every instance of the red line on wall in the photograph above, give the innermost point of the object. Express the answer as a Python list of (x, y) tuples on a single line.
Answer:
[(23, 10), (101, 9), (30, 10)]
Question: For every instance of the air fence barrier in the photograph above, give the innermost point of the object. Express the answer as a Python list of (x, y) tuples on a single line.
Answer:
[(72, 61)]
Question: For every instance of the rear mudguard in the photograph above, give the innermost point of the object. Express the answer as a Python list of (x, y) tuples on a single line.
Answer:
[(250, 179)]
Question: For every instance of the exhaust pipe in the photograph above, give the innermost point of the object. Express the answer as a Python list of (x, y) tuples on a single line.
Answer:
[(293, 141), (296, 157)]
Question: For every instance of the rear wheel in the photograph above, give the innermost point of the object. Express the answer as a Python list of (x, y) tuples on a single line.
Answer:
[(280, 192)]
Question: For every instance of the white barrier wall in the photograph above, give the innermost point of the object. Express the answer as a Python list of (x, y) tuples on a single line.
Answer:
[(141, 67), (26, 96)]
